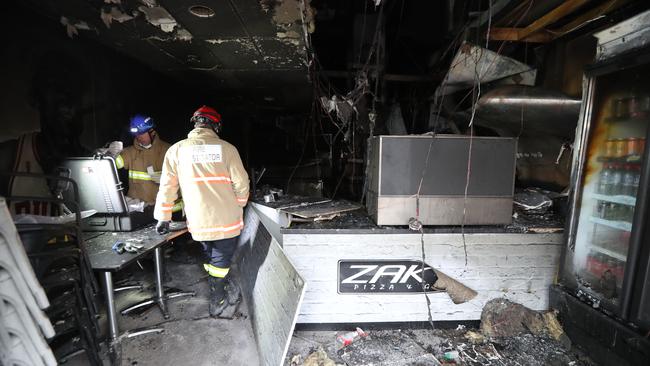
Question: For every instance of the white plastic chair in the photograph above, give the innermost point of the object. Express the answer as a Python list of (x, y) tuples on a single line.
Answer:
[(23, 289), (10, 234), (15, 317)]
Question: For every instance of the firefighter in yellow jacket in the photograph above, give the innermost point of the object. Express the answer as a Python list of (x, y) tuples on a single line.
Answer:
[(209, 172), (143, 160)]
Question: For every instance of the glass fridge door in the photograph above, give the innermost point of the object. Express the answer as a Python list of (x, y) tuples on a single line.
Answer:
[(612, 169)]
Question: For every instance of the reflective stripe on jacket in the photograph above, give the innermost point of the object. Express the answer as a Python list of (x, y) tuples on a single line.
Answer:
[(136, 159), (209, 172)]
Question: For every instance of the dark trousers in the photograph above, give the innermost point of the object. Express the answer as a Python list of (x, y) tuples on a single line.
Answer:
[(218, 254)]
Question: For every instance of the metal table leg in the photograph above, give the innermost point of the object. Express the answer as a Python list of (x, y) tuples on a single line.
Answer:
[(110, 305), (161, 297), (115, 337), (160, 292)]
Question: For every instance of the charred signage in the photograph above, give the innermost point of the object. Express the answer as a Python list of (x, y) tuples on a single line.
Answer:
[(385, 276)]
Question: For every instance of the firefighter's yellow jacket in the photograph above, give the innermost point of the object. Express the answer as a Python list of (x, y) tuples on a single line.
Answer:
[(136, 159), (213, 181)]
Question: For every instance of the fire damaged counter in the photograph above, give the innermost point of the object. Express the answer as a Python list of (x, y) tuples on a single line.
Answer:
[(356, 271)]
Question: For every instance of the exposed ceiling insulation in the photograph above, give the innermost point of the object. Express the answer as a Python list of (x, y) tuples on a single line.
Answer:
[(250, 52)]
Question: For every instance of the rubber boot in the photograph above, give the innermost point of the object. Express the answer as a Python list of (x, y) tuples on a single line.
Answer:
[(233, 291), (218, 299)]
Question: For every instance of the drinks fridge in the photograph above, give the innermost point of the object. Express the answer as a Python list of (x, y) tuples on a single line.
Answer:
[(606, 261), (603, 294)]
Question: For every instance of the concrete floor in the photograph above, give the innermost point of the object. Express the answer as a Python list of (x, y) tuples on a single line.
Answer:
[(194, 339), (190, 336)]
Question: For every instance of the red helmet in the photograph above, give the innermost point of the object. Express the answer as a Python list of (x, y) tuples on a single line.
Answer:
[(207, 114)]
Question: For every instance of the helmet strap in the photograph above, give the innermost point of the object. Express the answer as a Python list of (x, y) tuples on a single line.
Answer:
[(147, 147), (152, 136)]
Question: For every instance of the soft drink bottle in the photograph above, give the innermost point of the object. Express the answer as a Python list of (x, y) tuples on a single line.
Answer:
[(347, 338), (628, 181), (604, 184), (617, 180), (637, 179)]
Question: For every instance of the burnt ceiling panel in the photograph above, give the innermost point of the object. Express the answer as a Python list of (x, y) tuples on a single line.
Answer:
[(277, 79), (226, 79), (191, 55), (146, 51), (228, 45), (282, 53), (236, 53)]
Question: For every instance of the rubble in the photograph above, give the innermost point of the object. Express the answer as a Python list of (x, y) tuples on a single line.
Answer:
[(474, 337), (318, 358), (555, 330), (347, 338), (509, 334), (534, 199), (503, 318), (414, 345)]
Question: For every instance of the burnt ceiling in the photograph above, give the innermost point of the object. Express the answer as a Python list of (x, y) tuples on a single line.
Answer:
[(252, 54), (248, 52)]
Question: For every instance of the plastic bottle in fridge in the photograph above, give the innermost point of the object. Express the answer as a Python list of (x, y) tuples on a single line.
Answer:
[(612, 211), (605, 180), (626, 213), (617, 180), (637, 180), (601, 207), (628, 181)]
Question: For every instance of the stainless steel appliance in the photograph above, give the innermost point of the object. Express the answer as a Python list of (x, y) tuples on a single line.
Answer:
[(100, 189), (449, 179)]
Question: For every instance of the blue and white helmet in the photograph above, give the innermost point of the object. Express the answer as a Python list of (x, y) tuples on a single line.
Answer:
[(141, 124)]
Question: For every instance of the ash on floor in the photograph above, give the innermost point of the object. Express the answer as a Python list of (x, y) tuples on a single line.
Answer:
[(190, 336), (424, 347)]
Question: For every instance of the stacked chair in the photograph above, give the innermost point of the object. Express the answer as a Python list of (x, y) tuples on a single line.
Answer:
[(54, 257), (24, 327)]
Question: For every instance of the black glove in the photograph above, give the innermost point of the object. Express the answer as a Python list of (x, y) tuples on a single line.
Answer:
[(162, 227)]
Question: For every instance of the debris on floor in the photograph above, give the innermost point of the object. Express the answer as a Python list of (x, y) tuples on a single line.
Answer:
[(503, 318), (537, 210), (189, 328), (346, 339), (474, 337), (318, 358), (509, 334)]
